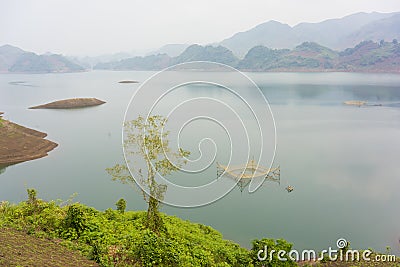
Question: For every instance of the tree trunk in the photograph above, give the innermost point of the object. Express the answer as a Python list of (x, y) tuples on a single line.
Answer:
[(154, 221)]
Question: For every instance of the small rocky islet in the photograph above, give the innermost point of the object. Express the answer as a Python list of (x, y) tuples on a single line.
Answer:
[(128, 81), (71, 103)]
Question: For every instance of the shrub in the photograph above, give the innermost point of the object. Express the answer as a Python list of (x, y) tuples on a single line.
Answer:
[(121, 205), (74, 222)]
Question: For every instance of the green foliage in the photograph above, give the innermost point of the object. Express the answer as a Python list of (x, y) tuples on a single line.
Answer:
[(271, 244), (313, 47), (121, 205), (33, 216), (74, 222), (156, 250), (113, 238), (262, 58), (32, 196), (325, 258)]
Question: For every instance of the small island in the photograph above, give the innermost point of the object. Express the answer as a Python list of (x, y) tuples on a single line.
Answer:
[(71, 103), (19, 144), (358, 103), (128, 81)]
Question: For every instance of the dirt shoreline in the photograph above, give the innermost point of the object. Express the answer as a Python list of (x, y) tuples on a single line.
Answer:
[(19, 144), (20, 249), (71, 103)]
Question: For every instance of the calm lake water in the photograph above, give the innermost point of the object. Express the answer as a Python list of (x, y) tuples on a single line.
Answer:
[(343, 161)]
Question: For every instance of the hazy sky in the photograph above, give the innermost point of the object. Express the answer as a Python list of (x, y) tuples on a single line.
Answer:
[(92, 27)]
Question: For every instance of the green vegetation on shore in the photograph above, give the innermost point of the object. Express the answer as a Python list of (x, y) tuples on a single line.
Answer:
[(56, 233), (118, 238)]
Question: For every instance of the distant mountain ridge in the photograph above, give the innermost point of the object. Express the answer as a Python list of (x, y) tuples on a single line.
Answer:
[(157, 62), (206, 53), (8, 55), (171, 50), (367, 56), (333, 33), (152, 62), (16, 60), (274, 46), (358, 42)]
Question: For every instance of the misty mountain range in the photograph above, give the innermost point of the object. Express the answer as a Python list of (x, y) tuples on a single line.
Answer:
[(337, 34), (14, 59), (271, 46), (367, 56)]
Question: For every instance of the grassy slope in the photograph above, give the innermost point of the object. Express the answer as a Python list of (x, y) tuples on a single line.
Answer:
[(20, 249), (36, 232), (113, 238)]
